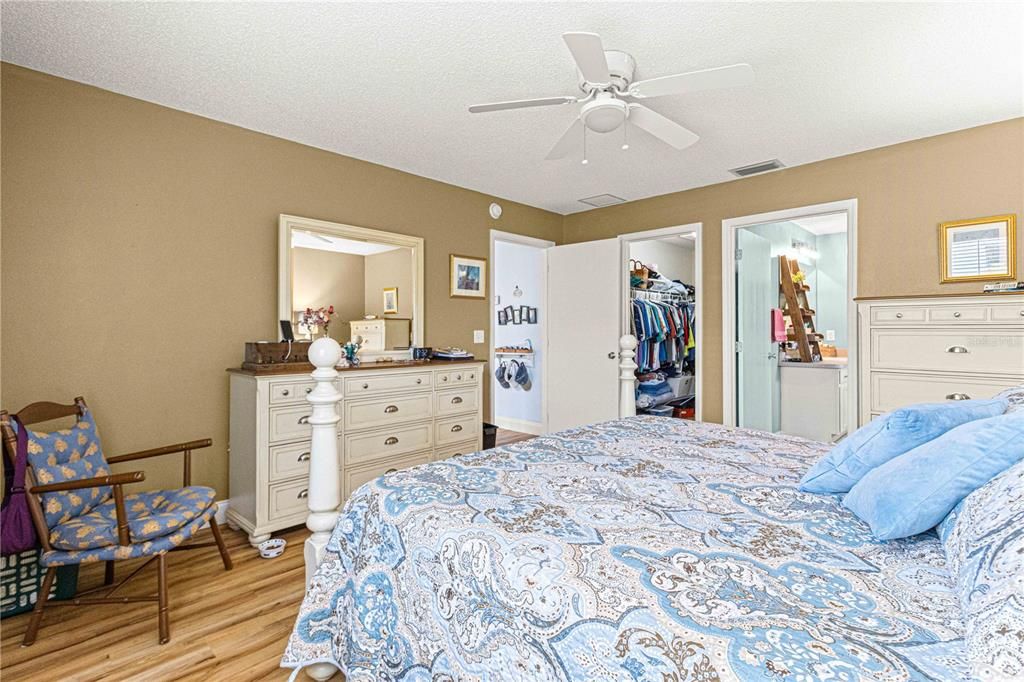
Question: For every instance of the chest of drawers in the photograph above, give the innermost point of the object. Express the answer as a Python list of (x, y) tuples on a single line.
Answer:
[(944, 348), (382, 334), (391, 418)]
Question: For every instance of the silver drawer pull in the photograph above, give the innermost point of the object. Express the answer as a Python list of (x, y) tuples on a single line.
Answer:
[(304, 457), (473, 376), (1022, 313), (303, 494), (304, 419), (956, 314), (458, 377), (391, 409), (366, 385), (899, 316), (391, 441), (456, 428), (958, 396), (392, 470), (456, 400), (444, 378), (420, 381), (957, 349), (286, 392), (309, 389)]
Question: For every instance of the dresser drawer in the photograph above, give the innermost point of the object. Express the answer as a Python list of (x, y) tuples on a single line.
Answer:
[(366, 447), (357, 476), (288, 461), (456, 450), (463, 375), (290, 423), (385, 411), (288, 499), (979, 351), (290, 392), (386, 383), (1008, 313), (457, 429), (899, 315), (892, 391), (458, 401), (958, 314)]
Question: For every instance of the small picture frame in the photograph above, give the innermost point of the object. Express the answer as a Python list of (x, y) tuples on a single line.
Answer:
[(978, 250), (517, 315), (524, 310), (468, 277), (502, 318), (391, 301), (531, 317)]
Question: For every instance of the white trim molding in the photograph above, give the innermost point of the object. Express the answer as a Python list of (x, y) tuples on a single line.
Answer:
[(729, 228), (695, 229)]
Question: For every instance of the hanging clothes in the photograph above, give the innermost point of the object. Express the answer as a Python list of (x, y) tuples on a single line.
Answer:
[(664, 333)]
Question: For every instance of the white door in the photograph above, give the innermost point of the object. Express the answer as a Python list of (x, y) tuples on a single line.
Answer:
[(756, 358), (584, 294)]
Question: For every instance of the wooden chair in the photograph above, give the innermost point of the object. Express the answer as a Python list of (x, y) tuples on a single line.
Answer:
[(83, 518)]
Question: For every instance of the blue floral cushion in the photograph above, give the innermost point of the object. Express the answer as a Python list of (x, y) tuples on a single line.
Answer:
[(984, 543), (150, 515), (1015, 396), (888, 437), (69, 455)]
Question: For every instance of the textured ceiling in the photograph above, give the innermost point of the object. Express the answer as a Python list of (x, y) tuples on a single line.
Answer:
[(390, 83)]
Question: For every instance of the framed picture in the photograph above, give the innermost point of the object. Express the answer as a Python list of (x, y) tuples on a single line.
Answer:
[(982, 249), (524, 310), (391, 300), (502, 318), (517, 315), (508, 313), (468, 277), (531, 317)]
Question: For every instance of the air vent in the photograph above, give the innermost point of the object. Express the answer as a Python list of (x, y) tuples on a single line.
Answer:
[(755, 168), (602, 200)]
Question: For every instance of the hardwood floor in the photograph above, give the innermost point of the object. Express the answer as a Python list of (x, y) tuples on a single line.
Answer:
[(225, 625)]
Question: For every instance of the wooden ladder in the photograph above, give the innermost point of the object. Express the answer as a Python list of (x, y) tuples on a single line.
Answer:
[(799, 311)]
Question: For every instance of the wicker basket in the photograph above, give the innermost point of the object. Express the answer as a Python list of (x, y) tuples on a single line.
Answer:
[(21, 575)]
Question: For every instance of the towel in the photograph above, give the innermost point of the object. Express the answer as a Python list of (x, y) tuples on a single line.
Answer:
[(778, 326)]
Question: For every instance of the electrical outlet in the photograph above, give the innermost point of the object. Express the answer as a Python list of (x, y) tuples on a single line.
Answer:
[(830, 334), (478, 336)]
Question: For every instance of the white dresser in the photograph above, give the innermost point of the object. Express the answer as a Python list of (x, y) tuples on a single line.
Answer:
[(814, 399), (391, 418), (382, 334), (916, 350)]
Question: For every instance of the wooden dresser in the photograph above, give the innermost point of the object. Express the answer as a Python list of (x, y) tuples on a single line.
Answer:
[(392, 417), (916, 350), (382, 334)]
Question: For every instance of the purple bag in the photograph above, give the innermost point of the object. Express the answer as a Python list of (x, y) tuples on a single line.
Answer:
[(17, 533)]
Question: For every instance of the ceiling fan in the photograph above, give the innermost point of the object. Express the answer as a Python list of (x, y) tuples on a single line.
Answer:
[(606, 79)]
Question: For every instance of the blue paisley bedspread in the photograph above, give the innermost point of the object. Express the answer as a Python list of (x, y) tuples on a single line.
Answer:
[(640, 549)]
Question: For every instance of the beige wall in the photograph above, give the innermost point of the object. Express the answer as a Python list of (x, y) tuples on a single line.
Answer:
[(903, 193), (140, 253), (386, 270), (325, 278)]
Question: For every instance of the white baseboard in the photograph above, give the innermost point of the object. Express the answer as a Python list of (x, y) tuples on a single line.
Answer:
[(520, 425), (222, 511)]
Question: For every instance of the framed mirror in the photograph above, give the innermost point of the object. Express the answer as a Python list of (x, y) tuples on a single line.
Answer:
[(351, 283), (978, 250)]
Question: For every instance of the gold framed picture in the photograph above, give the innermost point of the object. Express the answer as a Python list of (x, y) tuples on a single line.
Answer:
[(391, 300), (978, 250), (468, 277)]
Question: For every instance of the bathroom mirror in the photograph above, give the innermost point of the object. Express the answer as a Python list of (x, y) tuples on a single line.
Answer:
[(371, 280)]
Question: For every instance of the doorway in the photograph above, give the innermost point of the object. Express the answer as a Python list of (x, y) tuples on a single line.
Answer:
[(518, 334), (789, 321)]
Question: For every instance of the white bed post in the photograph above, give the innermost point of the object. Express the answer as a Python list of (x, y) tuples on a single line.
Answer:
[(324, 491), (627, 367)]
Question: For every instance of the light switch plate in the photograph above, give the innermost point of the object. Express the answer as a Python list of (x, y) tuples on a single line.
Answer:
[(478, 336), (830, 334)]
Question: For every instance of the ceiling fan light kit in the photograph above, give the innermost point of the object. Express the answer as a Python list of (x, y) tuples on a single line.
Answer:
[(606, 80)]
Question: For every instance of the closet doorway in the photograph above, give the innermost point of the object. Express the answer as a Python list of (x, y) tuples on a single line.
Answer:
[(789, 321), (663, 287), (518, 334)]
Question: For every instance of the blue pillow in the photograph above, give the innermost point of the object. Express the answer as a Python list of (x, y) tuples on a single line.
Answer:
[(914, 492), (889, 436)]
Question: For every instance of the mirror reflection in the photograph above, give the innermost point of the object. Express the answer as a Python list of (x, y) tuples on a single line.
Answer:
[(353, 288)]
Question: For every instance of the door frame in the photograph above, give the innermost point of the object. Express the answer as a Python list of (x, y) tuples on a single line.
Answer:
[(543, 245), (729, 228), (698, 274)]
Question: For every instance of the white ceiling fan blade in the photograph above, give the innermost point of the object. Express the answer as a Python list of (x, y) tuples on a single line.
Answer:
[(708, 79), (570, 140), (588, 52), (661, 127), (520, 104)]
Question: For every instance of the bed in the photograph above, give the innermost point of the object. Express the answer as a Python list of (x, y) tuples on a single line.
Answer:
[(639, 549)]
